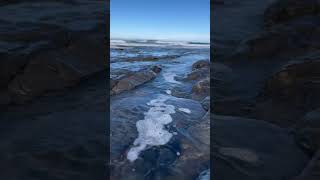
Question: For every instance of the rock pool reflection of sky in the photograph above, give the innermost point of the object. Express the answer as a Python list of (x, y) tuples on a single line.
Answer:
[(179, 20)]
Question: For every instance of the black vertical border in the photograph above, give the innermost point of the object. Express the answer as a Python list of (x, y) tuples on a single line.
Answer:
[(107, 55), (211, 89)]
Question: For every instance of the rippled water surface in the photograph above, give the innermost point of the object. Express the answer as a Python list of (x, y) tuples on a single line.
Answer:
[(152, 121)]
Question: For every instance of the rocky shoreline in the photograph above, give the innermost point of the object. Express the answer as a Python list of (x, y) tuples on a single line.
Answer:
[(42, 53), (52, 89), (271, 84), (160, 122)]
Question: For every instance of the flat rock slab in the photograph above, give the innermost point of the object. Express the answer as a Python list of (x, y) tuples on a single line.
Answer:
[(253, 150), (61, 146)]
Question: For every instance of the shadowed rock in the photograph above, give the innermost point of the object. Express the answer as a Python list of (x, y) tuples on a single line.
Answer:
[(297, 83), (41, 75), (284, 10), (58, 69), (308, 131), (290, 39), (239, 152)]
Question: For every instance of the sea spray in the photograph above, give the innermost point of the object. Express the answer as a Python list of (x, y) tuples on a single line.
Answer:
[(151, 129)]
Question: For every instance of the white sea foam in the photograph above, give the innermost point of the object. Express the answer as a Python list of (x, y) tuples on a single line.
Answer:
[(185, 110), (168, 92), (169, 77), (151, 129)]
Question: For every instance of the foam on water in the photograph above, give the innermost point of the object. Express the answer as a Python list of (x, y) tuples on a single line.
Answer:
[(168, 92), (185, 110), (169, 77), (151, 129)]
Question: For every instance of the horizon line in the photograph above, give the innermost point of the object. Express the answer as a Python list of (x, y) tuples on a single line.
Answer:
[(159, 39)]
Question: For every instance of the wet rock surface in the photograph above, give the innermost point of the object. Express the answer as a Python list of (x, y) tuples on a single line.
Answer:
[(52, 89), (297, 83), (308, 131), (285, 10), (164, 97), (267, 156), (271, 85), (59, 136), (278, 40), (66, 47), (131, 80)]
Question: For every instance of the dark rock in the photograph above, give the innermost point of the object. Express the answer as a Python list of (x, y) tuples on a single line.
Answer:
[(201, 64), (195, 155), (4, 98), (87, 52), (42, 74), (272, 154), (222, 77), (284, 10), (308, 132), (266, 44), (233, 106), (10, 65), (198, 74), (33, 33), (220, 70), (58, 69), (113, 82), (219, 2), (201, 89), (298, 82), (201, 133), (149, 58), (280, 112), (181, 93), (135, 79), (22, 41), (156, 69), (294, 38), (311, 171), (289, 94), (206, 103)]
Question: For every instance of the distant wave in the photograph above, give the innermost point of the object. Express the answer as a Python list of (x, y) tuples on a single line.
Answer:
[(114, 43)]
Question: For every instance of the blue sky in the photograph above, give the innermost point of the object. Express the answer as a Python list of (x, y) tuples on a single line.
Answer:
[(187, 20)]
